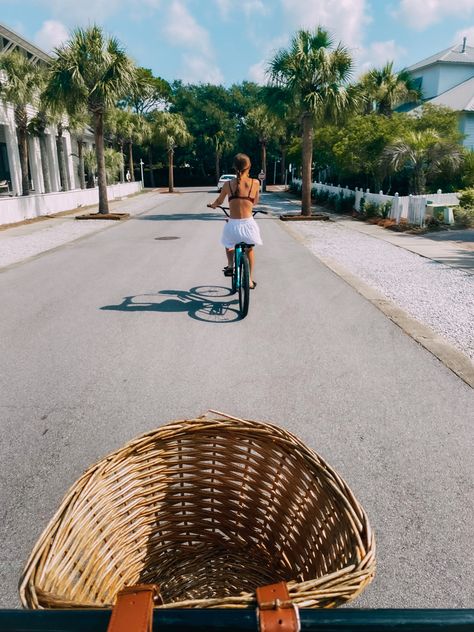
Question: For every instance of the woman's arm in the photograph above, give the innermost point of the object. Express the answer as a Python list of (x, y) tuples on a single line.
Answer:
[(222, 196), (257, 195)]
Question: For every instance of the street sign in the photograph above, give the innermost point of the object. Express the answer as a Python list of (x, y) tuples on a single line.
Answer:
[(261, 176)]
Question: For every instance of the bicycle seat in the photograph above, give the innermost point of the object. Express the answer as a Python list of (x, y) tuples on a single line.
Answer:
[(243, 244)]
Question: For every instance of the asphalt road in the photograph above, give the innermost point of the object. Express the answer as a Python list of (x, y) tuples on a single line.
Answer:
[(120, 332)]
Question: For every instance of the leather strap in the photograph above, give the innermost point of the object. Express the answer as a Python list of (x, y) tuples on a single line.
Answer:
[(133, 610), (275, 611)]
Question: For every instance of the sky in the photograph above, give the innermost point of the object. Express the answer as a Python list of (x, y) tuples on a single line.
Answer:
[(230, 41)]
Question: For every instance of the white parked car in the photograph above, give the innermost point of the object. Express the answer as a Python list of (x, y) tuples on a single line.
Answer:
[(224, 178)]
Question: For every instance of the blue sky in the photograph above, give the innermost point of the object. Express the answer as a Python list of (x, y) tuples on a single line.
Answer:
[(228, 41)]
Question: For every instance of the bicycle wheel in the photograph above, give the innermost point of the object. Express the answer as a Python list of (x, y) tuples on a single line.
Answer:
[(244, 287)]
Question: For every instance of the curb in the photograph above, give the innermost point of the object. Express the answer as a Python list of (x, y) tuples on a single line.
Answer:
[(451, 357)]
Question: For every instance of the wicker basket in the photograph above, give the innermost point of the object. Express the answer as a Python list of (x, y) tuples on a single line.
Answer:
[(209, 509)]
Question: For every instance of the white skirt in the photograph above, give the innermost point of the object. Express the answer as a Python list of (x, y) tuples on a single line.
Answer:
[(238, 230)]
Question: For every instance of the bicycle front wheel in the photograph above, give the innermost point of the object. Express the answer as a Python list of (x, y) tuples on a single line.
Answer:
[(244, 287)]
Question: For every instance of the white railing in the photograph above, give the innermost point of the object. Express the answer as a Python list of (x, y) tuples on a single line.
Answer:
[(18, 208), (409, 207)]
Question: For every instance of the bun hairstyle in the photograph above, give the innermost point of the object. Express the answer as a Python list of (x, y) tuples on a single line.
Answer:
[(241, 164)]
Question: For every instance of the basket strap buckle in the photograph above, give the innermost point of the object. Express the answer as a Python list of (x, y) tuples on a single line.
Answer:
[(276, 612), (133, 610)]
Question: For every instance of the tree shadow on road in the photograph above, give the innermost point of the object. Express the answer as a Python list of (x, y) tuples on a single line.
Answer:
[(204, 217), (205, 303)]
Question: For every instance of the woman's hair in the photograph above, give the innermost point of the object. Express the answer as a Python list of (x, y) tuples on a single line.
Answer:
[(241, 164)]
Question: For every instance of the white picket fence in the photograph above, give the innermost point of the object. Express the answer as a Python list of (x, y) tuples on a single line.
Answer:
[(409, 207)]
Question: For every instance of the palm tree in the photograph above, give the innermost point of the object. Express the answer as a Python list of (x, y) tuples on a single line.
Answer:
[(423, 153), (170, 130), (91, 72), (386, 89), (315, 75), (220, 143), (263, 125), (20, 88)]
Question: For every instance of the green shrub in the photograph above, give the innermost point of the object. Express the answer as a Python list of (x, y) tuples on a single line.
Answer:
[(385, 209), (332, 201), (466, 199), (348, 203), (362, 206), (463, 217), (372, 209)]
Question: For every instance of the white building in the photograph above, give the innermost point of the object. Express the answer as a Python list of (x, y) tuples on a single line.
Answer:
[(447, 79), (10, 170)]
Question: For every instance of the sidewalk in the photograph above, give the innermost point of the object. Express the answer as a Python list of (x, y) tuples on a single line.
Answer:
[(21, 242)]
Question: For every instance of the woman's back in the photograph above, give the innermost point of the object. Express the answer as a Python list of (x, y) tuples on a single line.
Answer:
[(243, 194)]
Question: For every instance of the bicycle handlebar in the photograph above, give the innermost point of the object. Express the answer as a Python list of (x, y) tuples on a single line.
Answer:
[(226, 208)]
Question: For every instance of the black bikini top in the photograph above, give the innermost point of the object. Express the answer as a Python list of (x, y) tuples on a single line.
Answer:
[(233, 195)]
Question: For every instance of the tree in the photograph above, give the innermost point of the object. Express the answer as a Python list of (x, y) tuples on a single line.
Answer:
[(315, 75), (93, 72), (20, 88), (386, 89), (423, 153), (170, 131), (148, 93), (265, 126)]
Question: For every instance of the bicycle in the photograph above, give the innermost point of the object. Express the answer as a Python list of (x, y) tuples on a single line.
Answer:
[(241, 272)]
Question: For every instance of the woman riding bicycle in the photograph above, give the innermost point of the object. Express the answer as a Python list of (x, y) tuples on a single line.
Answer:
[(241, 227)]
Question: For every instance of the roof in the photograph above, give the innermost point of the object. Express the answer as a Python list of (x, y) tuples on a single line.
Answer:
[(449, 55), (15, 40), (460, 98)]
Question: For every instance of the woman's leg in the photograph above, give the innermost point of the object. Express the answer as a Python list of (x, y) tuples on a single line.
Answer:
[(251, 264), (230, 257)]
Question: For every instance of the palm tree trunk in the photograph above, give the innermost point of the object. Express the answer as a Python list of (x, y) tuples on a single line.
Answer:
[(21, 120), (170, 171), (80, 157), (61, 158), (122, 166), (264, 163), (307, 163), (130, 161), (283, 165), (218, 169), (101, 173), (150, 165), (45, 163)]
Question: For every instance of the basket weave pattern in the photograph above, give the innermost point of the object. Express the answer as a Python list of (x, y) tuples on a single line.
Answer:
[(209, 509)]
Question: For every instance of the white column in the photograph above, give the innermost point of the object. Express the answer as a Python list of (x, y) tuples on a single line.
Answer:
[(71, 171), (13, 153), (35, 164), (53, 160)]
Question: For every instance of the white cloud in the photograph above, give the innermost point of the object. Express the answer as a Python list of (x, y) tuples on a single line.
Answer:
[(224, 7), (468, 33), (254, 8), (51, 35), (420, 14), (75, 12), (344, 19), (182, 29), (257, 72), (250, 8), (200, 69), (198, 62), (378, 54)]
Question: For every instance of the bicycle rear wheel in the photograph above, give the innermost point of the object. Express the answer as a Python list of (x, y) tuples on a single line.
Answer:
[(244, 287)]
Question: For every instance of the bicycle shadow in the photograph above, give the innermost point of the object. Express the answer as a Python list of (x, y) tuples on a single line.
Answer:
[(204, 303)]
